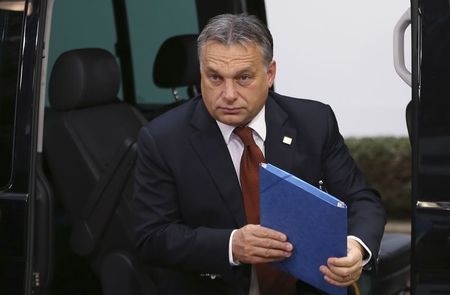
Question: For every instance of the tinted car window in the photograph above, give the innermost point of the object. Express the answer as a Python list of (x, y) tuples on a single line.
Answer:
[(151, 23), (76, 24), (10, 30)]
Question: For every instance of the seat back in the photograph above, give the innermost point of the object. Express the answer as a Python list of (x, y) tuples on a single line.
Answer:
[(90, 149), (177, 65), (87, 125)]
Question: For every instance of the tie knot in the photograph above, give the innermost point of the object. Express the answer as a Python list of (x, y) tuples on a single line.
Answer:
[(245, 134)]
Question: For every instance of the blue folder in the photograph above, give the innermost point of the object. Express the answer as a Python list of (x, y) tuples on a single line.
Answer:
[(314, 221)]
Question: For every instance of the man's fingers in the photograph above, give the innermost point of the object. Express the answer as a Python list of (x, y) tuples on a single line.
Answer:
[(254, 254), (344, 271), (266, 233), (263, 237), (339, 280), (257, 244), (341, 274), (266, 254), (270, 243), (352, 260)]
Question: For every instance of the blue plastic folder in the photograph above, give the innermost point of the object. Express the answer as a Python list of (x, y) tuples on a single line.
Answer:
[(314, 221)]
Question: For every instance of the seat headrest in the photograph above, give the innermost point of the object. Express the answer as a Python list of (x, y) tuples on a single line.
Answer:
[(176, 64), (83, 78)]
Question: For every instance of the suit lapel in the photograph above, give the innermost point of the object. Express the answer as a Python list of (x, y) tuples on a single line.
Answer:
[(208, 142), (281, 139)]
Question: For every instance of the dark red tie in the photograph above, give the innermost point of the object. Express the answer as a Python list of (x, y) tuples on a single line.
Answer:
[(270, 279)]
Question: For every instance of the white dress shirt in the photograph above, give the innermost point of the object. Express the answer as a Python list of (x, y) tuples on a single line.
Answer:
[(236, 148)]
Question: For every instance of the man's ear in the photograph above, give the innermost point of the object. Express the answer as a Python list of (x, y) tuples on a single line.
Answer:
[(271, 71)]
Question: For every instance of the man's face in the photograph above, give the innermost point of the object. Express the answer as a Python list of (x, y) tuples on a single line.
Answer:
[(234, 81)]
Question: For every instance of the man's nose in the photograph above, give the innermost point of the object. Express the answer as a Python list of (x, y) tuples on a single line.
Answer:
[(229, 91)]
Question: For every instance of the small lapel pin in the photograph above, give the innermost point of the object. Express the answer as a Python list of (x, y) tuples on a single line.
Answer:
[(287, 140)]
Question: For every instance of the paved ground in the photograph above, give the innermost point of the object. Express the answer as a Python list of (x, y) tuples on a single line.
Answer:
[(398, 226)]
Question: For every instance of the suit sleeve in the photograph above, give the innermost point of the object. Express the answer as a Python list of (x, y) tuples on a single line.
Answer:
[(160, 234), (366, 216)]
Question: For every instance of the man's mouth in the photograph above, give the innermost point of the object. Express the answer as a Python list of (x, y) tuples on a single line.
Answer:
[(230, 111)]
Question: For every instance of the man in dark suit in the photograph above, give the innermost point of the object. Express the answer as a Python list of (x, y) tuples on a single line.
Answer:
[(190, 219)]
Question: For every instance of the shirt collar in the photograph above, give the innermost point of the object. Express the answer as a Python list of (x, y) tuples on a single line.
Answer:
[(258, 124)]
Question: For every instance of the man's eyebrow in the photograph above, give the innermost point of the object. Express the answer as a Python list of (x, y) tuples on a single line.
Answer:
[(210, 69), (247, 69)]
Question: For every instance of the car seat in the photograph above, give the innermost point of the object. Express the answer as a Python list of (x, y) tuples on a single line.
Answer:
[(90, 149), (177, 65)]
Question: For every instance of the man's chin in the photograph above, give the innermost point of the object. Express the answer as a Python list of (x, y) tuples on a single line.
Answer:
[(233, 120)]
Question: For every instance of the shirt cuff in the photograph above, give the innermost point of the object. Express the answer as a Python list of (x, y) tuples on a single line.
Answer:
[(230, 250), (365, 261)]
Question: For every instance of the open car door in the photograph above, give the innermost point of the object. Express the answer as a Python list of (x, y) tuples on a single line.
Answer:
[(20, 47)]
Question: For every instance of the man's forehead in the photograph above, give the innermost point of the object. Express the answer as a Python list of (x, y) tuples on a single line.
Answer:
[(216, 52), (244, 45)]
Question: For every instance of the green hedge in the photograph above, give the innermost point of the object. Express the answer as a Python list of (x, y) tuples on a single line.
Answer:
[(386, 162)]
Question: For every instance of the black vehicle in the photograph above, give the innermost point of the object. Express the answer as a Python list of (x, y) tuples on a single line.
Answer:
[(76, 84), (429, 129), (430, 114)]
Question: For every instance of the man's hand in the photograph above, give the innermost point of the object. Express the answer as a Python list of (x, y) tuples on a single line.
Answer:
[(345, 270), (256, 244)]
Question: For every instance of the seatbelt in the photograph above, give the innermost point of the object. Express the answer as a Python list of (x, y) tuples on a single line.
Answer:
[(103, 200)]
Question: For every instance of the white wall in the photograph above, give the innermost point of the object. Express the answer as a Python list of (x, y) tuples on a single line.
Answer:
[(340, 52)]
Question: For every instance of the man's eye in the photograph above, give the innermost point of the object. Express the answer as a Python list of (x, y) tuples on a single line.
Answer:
[(214, 77), (244, 79)]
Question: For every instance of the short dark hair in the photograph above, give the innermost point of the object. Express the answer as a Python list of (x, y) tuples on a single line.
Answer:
[(241, 29)]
